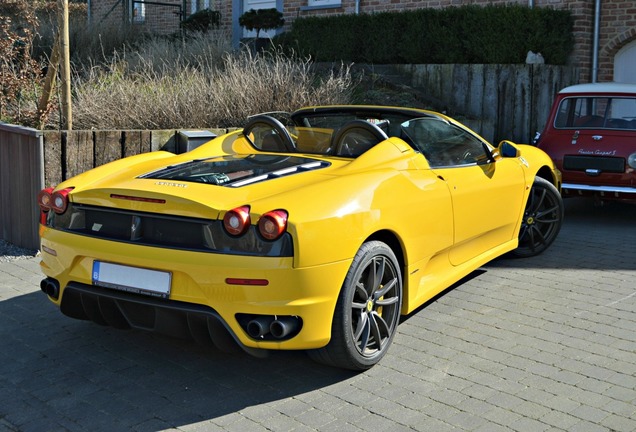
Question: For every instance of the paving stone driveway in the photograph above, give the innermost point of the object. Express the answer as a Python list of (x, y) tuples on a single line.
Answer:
[(547, 343)]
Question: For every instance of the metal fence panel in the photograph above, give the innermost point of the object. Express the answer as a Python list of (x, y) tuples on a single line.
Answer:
[(21, 178)]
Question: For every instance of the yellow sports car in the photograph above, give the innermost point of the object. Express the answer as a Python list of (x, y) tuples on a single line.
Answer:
[(312, 231)]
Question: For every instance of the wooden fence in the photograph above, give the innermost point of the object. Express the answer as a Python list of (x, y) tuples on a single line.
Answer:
[(31, 160), (497, 101)]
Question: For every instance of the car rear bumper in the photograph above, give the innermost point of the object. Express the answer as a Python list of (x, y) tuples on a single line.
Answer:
[(206, 292)]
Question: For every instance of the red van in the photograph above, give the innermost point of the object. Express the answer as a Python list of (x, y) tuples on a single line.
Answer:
[(591, 136)]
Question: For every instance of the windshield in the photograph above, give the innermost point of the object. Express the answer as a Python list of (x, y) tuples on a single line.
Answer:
[(597, 113), (444, 144)]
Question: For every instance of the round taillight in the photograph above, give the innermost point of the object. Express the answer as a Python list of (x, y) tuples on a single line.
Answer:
[(44, 199), (59, 200), (237, 221), (631, 160), (273, 224)]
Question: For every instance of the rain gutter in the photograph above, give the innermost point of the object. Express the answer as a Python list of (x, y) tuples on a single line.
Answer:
[(595, 42)]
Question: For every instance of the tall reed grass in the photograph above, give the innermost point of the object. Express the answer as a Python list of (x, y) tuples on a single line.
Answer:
[(126, 79), (198, 82)]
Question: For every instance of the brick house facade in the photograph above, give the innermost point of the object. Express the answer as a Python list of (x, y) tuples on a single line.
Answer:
[(617, 35)]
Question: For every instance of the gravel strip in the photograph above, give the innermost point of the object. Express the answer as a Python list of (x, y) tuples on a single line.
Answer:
[(10, 252)]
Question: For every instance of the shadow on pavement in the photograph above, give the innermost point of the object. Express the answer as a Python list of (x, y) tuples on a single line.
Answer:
[(62, 374)]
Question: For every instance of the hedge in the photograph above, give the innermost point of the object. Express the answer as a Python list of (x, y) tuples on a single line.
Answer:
[(466, 34)]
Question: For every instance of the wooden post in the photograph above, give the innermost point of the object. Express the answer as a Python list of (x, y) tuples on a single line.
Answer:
[(65, 64), (49, 83)]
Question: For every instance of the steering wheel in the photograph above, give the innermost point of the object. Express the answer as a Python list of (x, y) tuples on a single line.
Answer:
[(268, 126)]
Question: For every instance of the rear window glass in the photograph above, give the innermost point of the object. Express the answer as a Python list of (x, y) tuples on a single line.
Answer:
[(596, 113)]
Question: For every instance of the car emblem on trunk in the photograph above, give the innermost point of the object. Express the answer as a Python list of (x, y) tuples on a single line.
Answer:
[(173, 184)]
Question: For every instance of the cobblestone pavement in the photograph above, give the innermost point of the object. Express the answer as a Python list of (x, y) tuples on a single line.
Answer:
[(540, 344)]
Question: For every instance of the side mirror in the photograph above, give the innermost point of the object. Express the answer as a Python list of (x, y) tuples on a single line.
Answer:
[(508, 149)]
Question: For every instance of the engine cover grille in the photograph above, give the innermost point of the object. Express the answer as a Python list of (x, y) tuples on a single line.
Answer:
[(166, 231)]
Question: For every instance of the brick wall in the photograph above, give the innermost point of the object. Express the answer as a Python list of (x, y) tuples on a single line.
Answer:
[(163, 19), (618, 23), (618, 28), (158, 18), (618, 20), (107, 12)]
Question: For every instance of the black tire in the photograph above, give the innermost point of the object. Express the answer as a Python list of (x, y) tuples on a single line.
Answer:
[(542, 219), (367, 311)]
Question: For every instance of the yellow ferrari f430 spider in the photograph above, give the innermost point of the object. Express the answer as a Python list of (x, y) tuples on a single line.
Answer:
[(313, 230)]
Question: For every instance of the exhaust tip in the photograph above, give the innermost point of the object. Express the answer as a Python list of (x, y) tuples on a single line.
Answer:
[(270, 327), (259, 327), (284, 326), (50, 287)]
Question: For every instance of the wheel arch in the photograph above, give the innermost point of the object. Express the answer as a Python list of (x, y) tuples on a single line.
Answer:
[(548, 174), (393, 241)]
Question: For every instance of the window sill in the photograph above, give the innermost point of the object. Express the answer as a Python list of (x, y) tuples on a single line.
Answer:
[(330, 6)]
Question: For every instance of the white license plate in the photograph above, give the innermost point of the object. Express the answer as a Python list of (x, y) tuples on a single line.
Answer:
[(132, 279)]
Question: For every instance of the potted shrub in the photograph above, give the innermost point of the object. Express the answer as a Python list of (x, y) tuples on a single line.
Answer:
[(261, 19)]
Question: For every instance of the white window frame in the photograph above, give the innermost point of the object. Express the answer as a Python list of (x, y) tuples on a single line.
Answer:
[(140, 16), (323, 3), (195, 4)]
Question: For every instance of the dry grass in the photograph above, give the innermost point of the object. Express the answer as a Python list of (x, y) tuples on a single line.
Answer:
[(249, 84), (165, 86), (124, 79)]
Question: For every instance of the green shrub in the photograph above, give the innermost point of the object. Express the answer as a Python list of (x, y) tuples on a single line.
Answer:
[(261, 19), (202, 21), (466, 34)]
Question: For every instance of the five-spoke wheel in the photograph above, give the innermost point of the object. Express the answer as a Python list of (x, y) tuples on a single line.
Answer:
[(367, 311), (542, 219)]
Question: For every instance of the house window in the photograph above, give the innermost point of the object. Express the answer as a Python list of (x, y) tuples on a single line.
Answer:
[(323, 3), (138, 12), (198, 5)]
